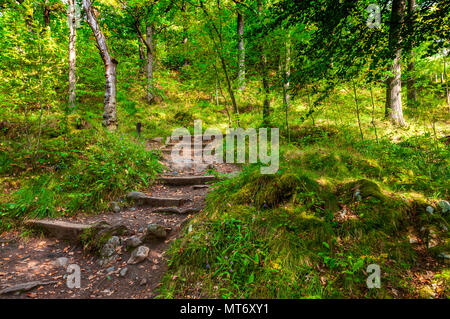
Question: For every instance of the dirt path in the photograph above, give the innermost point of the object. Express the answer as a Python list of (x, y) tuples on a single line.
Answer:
[(24, 260)]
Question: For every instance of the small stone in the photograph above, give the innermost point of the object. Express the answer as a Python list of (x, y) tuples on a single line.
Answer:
[(110, 269), (123, 272), (138, 255), (143, 282), (114, 206), (444, 255), (110, 247), (444, 205), (133, 242), (155, 231), (61, 262), (358, 196), (430, 210)]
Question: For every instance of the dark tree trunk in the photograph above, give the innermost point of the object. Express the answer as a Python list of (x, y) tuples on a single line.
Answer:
[(394, 84), (410, 82), (46, 15), (110, 111), (142, 57)]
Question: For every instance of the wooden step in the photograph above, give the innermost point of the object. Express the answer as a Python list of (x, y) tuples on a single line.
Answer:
[(145, 200), (187, 180), (59, 229)]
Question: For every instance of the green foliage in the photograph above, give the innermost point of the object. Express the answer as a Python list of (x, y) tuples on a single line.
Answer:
[(84, 178)]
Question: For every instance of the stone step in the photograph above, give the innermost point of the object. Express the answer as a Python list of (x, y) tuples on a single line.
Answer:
[(59, 229), (187, 180), (174, 210), (192, 151), (182, 143), (200, 186), (142, 199), (192, 137)]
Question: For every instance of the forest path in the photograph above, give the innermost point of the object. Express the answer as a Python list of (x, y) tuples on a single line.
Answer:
[(43, 261)]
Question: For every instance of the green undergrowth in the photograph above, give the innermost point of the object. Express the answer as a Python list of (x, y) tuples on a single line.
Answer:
[(77, 167), (311, 230)]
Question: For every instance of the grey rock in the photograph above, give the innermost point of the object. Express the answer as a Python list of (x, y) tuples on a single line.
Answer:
[(133, 242), (109, 248), (123, 272), (61, 262), (155, 231), (136, 195), (430, 210), (104, 261), (444, 205), (114, 206), (58, 228), (110, 269), (138, 255), (157, 139), (143, 282), (444, 255), (25, 287)]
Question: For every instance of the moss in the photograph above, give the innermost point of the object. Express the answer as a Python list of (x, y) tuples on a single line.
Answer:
[(364, 187), (94, 238)]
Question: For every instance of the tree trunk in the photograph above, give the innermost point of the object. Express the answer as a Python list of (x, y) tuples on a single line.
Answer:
[(241, 49), (185, 34), (142, 57), (149, 40), (394, 84), (72, 54), (265, 80), (286, 83), (447, 93), (410, 82), (46, 15), (110, 111)]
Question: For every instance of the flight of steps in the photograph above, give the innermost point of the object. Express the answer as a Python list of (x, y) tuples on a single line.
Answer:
[(181, 191)]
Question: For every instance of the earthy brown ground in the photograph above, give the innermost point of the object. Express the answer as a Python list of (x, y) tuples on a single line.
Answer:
[(32, 258)]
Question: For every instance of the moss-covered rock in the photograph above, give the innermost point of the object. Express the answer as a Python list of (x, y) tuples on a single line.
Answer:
[(362, 188), (94, 238)]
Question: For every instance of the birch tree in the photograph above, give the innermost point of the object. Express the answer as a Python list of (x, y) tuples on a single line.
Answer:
[(110, 111)]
